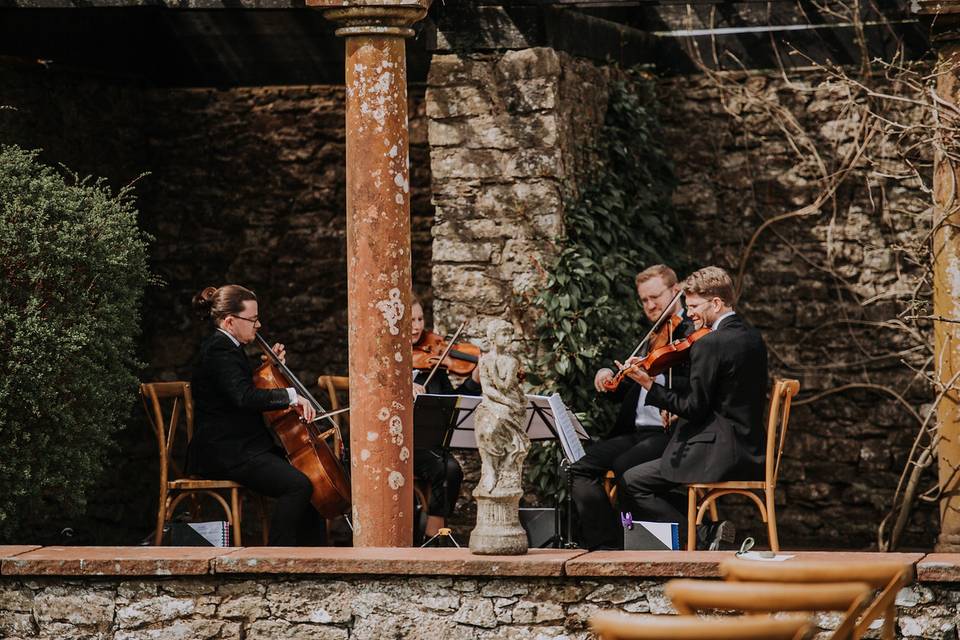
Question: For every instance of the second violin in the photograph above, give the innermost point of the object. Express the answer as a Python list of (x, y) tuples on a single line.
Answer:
[(661, 358), (461, 359)]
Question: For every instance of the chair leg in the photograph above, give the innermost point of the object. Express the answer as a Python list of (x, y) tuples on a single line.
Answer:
[(772, 520), (691, 519), (161, 518), (235, 516), (714, 514)]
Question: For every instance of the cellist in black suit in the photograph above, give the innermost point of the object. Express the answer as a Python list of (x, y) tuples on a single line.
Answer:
[(720, 434), (231, 440)]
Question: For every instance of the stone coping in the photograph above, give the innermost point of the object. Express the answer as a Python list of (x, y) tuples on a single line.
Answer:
[(392, 561), (32, 560)]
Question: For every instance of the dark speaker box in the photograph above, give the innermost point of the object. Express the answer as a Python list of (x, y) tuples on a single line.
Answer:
[(540, 523)]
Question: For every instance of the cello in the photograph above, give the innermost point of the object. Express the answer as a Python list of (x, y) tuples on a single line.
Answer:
[(303, 442)]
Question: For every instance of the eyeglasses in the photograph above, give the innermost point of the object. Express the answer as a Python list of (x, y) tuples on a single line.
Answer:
[(652, 298), (253, 320), (693, 307)]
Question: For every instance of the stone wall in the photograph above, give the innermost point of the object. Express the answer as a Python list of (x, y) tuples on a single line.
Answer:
[(362, 608), (506, 133), (826, 290), (242, 185)]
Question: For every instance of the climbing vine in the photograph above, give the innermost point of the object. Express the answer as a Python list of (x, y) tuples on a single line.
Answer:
[(618, 222)]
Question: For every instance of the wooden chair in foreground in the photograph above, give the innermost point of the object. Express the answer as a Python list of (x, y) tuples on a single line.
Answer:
[(164, 404), (885, 577), (692, 596), (609, 625), (702, 495)]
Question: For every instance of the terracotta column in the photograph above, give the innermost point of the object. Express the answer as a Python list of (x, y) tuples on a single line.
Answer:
[(946, 273), (378, 265)]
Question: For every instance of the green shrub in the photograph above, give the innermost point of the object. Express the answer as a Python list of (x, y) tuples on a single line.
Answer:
[(73, 267), (621, 222)]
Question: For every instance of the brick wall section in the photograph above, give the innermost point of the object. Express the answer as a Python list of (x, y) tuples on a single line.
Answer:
[(845, 452)]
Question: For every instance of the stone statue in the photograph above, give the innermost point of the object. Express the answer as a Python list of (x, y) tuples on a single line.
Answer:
[(503, 445)]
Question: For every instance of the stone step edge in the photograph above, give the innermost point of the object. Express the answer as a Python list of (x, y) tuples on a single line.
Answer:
[(35, 560)]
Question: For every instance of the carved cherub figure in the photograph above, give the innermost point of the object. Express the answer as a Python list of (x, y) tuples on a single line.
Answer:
[(501, 438)]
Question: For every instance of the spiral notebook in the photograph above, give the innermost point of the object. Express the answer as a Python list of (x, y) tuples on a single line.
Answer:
[(200, 534)]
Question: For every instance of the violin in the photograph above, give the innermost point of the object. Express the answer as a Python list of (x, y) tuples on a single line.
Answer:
[(661, 358), (661, 332), (461, 358), (305, 445)]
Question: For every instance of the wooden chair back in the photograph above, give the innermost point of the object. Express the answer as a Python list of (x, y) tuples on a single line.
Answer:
[(609, 625), (692, 596), (702, 496), (335, 385), (778, 417), (165, 404), (886, 578)]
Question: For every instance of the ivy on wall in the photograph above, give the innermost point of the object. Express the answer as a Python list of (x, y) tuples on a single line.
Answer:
[(620, 222)]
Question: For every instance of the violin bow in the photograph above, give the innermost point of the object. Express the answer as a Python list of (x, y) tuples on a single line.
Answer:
[(656, 325), (444, 354)]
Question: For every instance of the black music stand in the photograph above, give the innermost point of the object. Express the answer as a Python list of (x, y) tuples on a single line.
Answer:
[(433, 420), (547, 419)]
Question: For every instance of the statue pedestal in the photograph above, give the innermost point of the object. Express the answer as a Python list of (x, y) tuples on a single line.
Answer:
[(498, 530)]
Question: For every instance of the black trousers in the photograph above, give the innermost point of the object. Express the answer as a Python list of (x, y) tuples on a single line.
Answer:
[(653, 498), (599, 523), (294, 521), (444, 474)]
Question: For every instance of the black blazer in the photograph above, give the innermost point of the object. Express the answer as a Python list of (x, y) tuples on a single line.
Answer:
[(628, 393), (228, 409), (720, 434)]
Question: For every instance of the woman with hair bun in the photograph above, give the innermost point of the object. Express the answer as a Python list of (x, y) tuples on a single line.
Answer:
[(231, 441)]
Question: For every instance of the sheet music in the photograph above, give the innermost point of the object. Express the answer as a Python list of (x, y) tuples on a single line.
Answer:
[(566, 432), (538, 422)]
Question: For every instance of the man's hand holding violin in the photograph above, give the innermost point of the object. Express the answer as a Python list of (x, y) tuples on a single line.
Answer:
[(635, 373)]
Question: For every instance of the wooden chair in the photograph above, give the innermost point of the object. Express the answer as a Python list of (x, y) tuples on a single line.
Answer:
[(609, 625), (692, 596), (177, 399), (885, 577), (335, 385), (702, 495)]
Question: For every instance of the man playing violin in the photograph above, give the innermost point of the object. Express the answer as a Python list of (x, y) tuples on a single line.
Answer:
[(640, 432), (231, 441), (720, 434), (436, 466)]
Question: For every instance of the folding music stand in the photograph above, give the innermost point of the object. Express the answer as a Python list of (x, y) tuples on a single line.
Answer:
[(433, 419), (547, 418)]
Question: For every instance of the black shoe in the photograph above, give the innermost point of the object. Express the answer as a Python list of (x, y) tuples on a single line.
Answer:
[(716, 536)]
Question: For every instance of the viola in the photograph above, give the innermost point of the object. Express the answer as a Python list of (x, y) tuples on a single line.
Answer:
[(461, 358), (661, 358), (305, 444)]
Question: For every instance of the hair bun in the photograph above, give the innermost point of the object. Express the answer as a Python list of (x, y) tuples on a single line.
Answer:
[(203, 302)]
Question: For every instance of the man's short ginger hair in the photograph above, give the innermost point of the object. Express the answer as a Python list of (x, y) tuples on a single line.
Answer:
[(711, 282), (662, 271)]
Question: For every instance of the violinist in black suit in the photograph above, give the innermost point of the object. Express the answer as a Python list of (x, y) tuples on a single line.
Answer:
[(640, 432), (720, 434), (436, 466), (231, 440)]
